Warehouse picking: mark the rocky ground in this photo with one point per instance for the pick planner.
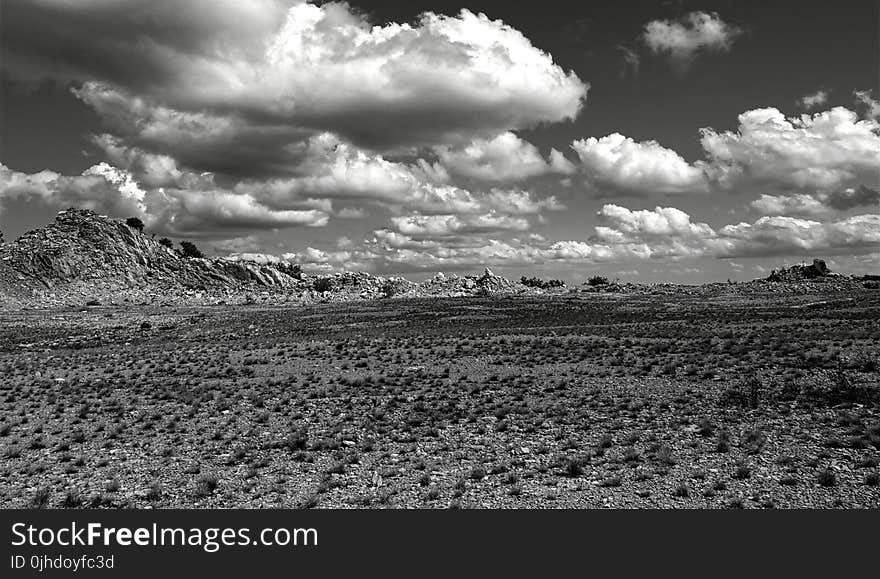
(659, 399)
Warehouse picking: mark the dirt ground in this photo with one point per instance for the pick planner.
(589, 401)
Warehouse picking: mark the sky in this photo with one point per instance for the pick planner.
(686, 141)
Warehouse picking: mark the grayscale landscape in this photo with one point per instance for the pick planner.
(438, 254)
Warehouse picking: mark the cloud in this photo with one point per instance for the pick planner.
(797, 204)
(208, 212)
(814, 100)
(351, 213)
(624, 225)
(439, 226)
(320, 261)
(337, 170)
(265, 70)
(867, 100)
(819, 204)
(631, 62)
(91, 190)
(782, 235)
(505, 157)
(682, 40)
(621, 165)
(827, 151)
(446, 242)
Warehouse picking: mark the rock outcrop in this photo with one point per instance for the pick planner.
(797, 273)
(84, 249)
(85, 258)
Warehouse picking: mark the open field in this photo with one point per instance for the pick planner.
(603, 400)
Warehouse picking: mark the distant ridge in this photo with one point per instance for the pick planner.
(84, 258)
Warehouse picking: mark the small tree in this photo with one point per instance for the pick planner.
(189, 249)
(166, 242)
(135, 223)
(597, 280)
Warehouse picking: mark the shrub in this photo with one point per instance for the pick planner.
(746, 394)
(154, 493)
(135, 223)
(297, 440)
(323, 284)
(826, 477)
(40, 498)
(206, 484)
(540, 283)
(597, 280)
(478, 473)
(742, 471)
(573, 467)
(166, 242)
(189, 249)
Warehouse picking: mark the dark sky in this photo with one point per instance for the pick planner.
(783, 51)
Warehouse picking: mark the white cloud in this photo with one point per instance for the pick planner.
(448, 242)
(207, 212)
(683, 39)
(814, 100)
(320, 261)
(624, 225)
(351, 213)
(827, 151)
(817, 204)
(98, 189)
(505, 157)
(438, 226)
(622, 165)
(338, 170)
(867, 100)
(238, 68)
(798, 204)
(781, 235)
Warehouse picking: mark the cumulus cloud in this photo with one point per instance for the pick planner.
(438, 226)
(797, 204)
(627, 235)
(813, 100)
(866, 99)
(96, 189)
(208, 212)
(782, 235)
(351, 213)
(683, 39)
(505, 157)
(621, 165)
(271, 68)
(320, 261)
(827, 151)
(624, 225)
(337, 170)
(819, 204)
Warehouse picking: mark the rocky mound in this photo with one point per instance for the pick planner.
(797, 273)
(86, 258)
(82, 250)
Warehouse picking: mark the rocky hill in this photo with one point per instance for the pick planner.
(86, 258)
